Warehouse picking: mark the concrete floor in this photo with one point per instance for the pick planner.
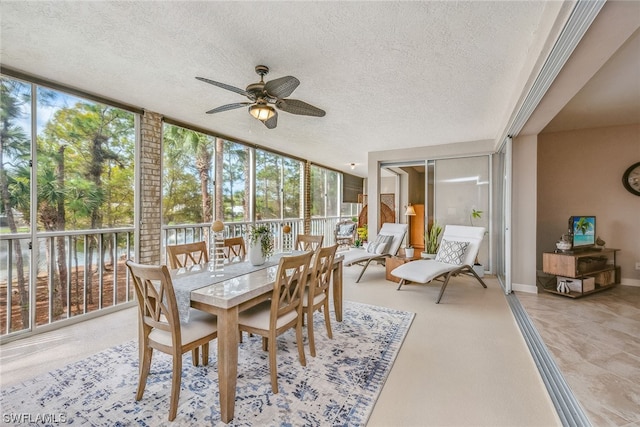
(463, 362)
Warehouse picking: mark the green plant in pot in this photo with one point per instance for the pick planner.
(431, 240)
(477, 267)
(260, 244)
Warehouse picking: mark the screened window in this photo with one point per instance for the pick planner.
(325, 192)
(81, 227)
(187, 181)
(278, 186)
(236, 182)
(85, 155)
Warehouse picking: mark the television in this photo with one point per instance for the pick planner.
(583, 231)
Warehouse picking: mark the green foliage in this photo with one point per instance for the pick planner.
(261, 234)
(431, 238)
(475, 214)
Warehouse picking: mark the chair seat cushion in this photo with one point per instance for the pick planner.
(258, 317)
(423, 271)
(200, 325)
(317, 299)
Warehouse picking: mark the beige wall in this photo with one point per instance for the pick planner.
(580, 173)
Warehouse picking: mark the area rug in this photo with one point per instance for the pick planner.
(337, 387)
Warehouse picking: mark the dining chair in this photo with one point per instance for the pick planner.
(234, 248)
(270, 319)
(162, 330)
(308, 242)
(186, 254)
(316, 295)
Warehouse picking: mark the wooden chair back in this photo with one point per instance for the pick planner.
(187, 254)
(317, 295)
(308, 242)
(234, 248)
(156, 300)
(322, 271)
(288, 289)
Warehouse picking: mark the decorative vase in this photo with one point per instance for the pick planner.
(256, 257)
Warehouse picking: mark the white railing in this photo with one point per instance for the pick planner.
(187, 233)
(76, 273)
(91, 275)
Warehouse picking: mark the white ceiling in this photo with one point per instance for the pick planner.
(388, 74)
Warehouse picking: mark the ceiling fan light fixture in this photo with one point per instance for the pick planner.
(262, 112)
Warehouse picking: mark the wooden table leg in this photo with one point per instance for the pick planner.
(227, 361)
(337, 290)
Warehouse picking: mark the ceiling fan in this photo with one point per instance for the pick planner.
(262, 95)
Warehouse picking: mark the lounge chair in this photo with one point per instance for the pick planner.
(387, 244)
(458, 250)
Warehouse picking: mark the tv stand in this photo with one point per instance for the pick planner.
(578, 251)
(599, 264)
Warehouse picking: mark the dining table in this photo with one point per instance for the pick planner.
(225, 293)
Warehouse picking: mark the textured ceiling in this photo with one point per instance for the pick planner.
(388, 74)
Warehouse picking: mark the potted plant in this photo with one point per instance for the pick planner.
(363, 232)
(260, 244)
(409, 251)
(477, 267)
(431, 241)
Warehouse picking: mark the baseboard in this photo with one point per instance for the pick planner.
(520, 287)
(630, 282)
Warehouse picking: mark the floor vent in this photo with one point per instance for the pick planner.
(568, 407)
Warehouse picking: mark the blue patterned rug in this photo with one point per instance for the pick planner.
(337, 387)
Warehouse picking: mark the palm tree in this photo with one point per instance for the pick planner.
(199, 147)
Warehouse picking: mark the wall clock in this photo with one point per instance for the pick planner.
(631, 179)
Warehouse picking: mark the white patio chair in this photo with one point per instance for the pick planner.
(387, 244)
(458, 250)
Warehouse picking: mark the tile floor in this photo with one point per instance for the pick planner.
(595, 341)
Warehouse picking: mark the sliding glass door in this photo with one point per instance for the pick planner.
(462, 196)
(502, 223)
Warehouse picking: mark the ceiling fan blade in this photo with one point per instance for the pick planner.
(228, 107)
(295, 106)
(272, 122)
(282, 87)
(224, 86)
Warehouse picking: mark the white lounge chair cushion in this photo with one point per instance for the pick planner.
(422, 271)
(380, 245)
(451, 251)
(396, 231)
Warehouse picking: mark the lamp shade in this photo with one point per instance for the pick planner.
(410, 211)
(217, 226)
(262, 112)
